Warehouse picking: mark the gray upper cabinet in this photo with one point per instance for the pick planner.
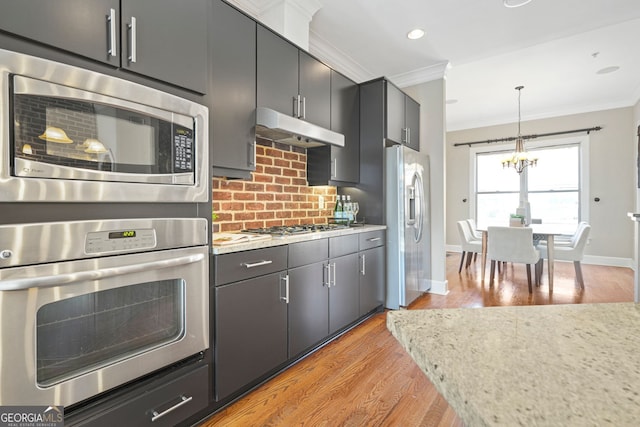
(232, 94)
(412, 123)
(77, 26)
(401, 114)
(403, 118)
(339, 165)
(286, 74)
(162, 39)
(166, 40)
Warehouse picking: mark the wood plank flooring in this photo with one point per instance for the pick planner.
(364, 378)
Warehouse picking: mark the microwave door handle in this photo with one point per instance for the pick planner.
(90, 275)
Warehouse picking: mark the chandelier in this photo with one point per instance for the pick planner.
(519, 159)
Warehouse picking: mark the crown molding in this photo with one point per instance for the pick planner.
(421, 75)
(337, 59)
(250, 7)
(255, 8)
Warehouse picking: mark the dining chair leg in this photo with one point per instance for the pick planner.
(492, 272)
(529, 278)
(539, 270)
(578, 267)
(461, 262)
(475, 256)
(469, 256)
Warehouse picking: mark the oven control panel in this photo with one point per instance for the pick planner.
(132, 240)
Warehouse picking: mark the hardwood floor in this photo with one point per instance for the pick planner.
(364, 378)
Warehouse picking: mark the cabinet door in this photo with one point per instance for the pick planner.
(77, 26)
(233, 90)
(395, 130)
(166, 40)
(344, 292)
(315, 89)
(412, 122)
(277, 69)
(345, 119)
(251, 331)
(308, 307)
(372, 277)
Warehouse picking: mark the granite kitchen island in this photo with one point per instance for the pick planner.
(560, 365)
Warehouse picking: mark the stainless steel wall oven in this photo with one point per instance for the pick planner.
(87, 306)
(75, 135)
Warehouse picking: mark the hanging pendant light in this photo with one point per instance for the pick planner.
(519, 159)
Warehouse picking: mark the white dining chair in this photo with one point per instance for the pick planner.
(511, 244)
(571, 251)
(475, 233)
(470, 247)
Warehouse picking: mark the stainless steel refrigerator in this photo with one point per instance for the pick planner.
(408, 225)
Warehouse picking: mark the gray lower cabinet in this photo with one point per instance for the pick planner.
(250, 306)
(372, 271)
(308, 307)
(344, 292)
(162, 39)
(232, 94)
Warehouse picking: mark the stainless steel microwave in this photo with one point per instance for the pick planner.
(70, 134)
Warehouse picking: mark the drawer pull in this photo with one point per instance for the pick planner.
(183, 401)
(374, 239)
(257, 264)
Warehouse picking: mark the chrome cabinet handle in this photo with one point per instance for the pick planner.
(91, 275)
(285, 298)
(296, 106)
(111, 19)
(304, 107)
(257, 264)
(334, 172)
(327, 279)
(408, 135)
(183, 401)
(133, 53)
(374, 239)
(334, 274)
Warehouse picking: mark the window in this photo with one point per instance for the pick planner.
(556, 186)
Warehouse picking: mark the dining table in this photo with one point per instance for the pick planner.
(541, 231)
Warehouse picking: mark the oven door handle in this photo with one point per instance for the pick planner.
(90, 275)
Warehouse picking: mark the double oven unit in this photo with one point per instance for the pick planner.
(91, 303)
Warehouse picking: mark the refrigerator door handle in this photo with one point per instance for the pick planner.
(420, 208)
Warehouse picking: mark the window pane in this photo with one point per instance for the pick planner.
(558, 168)
(556, 207)
(492, 177)
(494, 209)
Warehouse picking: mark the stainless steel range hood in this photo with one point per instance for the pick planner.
(284, 129)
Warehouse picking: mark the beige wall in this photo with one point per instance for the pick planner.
(613, 177)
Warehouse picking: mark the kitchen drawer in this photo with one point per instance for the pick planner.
(177, 399)
(243, 265)
(343, 245)
(304, 253)
(371, 239)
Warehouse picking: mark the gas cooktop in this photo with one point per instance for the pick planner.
(290, 230)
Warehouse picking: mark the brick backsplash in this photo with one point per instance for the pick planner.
(277, 194)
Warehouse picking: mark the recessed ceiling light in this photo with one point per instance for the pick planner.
(415, 34)
(608, 70)
(515, 3)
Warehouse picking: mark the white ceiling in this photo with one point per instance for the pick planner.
(485, 50)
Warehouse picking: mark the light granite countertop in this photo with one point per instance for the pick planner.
(278, 241)
(557, 365)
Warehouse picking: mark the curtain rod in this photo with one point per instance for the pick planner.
(525, 137)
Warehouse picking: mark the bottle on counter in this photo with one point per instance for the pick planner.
(348, 210)
(338, 211)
